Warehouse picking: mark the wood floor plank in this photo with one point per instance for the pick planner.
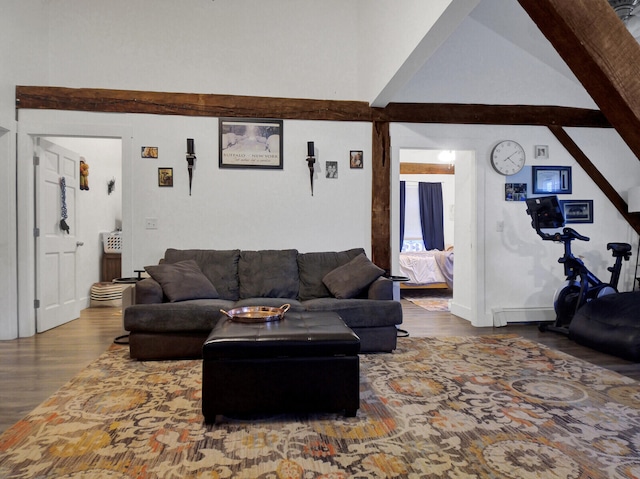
(32, 369)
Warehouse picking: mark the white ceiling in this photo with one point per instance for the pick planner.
(497, 55)
(511, 22)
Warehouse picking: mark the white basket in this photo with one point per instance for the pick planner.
(112, 242)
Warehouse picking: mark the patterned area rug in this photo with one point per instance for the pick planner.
(481, 407)
(431, 301)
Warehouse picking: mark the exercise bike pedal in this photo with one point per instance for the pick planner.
(543, 327)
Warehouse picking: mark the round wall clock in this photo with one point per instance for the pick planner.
(507, 157)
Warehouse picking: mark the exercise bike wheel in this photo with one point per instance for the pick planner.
(565, 302)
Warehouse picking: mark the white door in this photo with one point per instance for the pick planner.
(56, 290)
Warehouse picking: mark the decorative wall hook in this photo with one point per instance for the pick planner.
(310, 162)
(191, 157)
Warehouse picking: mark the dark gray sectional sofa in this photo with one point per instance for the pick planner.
(177, 307)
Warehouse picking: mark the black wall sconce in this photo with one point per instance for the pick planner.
(191, 157)
(310, 162)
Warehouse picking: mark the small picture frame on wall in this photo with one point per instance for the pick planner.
(165, 176)
(541, 152)
(331, 168)
(515, 191)
(149, 152)
(577, 211)
(551, 179)
(356, 159)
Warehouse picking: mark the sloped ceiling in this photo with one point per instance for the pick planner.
(496, 56)
(511, 22)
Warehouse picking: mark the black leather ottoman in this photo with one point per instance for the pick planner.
(303, 363)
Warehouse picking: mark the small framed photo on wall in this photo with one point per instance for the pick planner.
(577, 211)
(356, 159)
(541, 152)
(515, 191)
(165, 176)
(149, 152)
(331, 168)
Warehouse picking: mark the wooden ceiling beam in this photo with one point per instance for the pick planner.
(195, 104)
(477, 114)
(426, 169)
(602, 54)
(189, 104)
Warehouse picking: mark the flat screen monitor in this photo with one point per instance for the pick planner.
(545, 212)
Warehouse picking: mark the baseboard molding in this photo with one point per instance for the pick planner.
(503, 316)
(460, 311)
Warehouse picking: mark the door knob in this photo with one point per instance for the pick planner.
(79, 243)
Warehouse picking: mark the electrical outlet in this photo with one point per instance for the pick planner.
(151, 223)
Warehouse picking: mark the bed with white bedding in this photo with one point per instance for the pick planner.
(427, 269)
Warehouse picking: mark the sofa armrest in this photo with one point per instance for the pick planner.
(381, 288)
(148, 291)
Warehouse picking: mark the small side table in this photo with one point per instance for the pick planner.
(111, 267)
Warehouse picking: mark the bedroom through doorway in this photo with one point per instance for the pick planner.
(427, 212)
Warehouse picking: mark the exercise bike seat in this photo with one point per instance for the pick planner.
(620, 249)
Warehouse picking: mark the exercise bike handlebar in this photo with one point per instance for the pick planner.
(568, 234)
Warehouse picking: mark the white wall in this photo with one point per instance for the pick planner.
(287, 49)
(23, 56)
(237, 208)
(8, 260)
(97, 210)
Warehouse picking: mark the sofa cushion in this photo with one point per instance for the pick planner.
(268, 274)
(360, 313)
(182, 281)
(348, 280)
(199, 315)
(219, 266)
(312, 267)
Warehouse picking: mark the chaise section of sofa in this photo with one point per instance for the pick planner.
(165, 323)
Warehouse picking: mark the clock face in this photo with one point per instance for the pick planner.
(507, 157)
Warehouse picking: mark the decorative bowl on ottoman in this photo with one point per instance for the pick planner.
(256, 314)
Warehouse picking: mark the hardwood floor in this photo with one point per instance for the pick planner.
(32, 369)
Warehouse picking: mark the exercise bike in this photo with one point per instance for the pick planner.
(581, 285)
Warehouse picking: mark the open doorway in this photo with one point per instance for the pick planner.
(468, 289)
(86, 185)
(427, 212)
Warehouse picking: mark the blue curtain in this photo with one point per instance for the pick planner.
(431, 215)
(402, 208)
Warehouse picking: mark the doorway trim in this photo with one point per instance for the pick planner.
(26, 134)
(471, 306)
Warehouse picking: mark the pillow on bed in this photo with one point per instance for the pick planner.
(182, 281)
(348, 280)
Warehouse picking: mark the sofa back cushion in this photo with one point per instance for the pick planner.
(268, 274)
(219, 266)
(312, 267)
(182, 281)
